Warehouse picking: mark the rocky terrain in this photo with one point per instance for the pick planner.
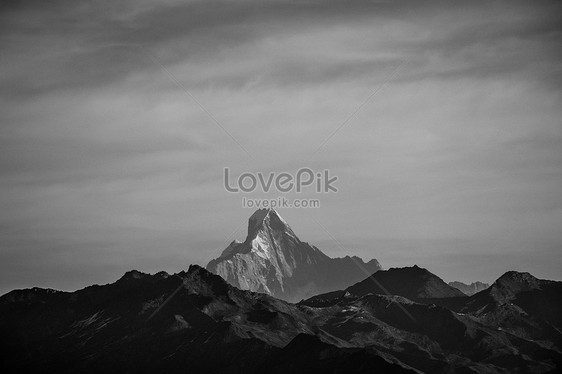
(525, 306)
(414, 283)
(275, 261)
(411, 282)
(195, 322)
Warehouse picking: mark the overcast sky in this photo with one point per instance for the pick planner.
(451, 156)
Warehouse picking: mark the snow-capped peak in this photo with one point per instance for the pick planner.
(268, 219)
(274, 260)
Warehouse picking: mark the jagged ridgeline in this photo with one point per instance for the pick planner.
(195, 322)
(273, 260)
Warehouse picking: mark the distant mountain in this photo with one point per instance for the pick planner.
(509, 289)
(414, 283)
(196, 322)
(273, 260)
(469, 289)
(522, 304)
(410, 282)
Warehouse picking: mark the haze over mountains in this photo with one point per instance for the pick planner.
(400, 320)
(275, 261)
(469, 289)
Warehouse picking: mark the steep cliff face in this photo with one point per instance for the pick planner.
(275, 261)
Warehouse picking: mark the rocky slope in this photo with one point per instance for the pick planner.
(414, 283)
(196, 322)
(521, 304)
(469, 289)
(273, 260)
(411, 282)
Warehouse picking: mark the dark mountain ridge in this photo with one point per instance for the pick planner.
(195, 320)
(414, 283)
(411, 282)
(522, 304)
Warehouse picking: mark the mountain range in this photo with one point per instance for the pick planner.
(400, 320)
(195, 321)
(469, 289)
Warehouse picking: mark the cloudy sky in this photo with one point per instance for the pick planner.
(117, 119)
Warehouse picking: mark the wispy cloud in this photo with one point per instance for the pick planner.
(105, 163)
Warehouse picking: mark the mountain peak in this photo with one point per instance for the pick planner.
(517, 276)
(194, 268)
(411, 282)
(514, 281)
(512, 292)
(133, 274)
(267, 218)
(263, 224)
(260, 214)
(469, 289)
(273, 260)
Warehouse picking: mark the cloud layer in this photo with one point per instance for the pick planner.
(108, 163)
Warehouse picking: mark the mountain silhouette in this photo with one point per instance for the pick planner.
(414, 283)
(195, 321)
(522, 304)
(411, 282)
(469, 289)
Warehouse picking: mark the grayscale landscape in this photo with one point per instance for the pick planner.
(274, 186)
